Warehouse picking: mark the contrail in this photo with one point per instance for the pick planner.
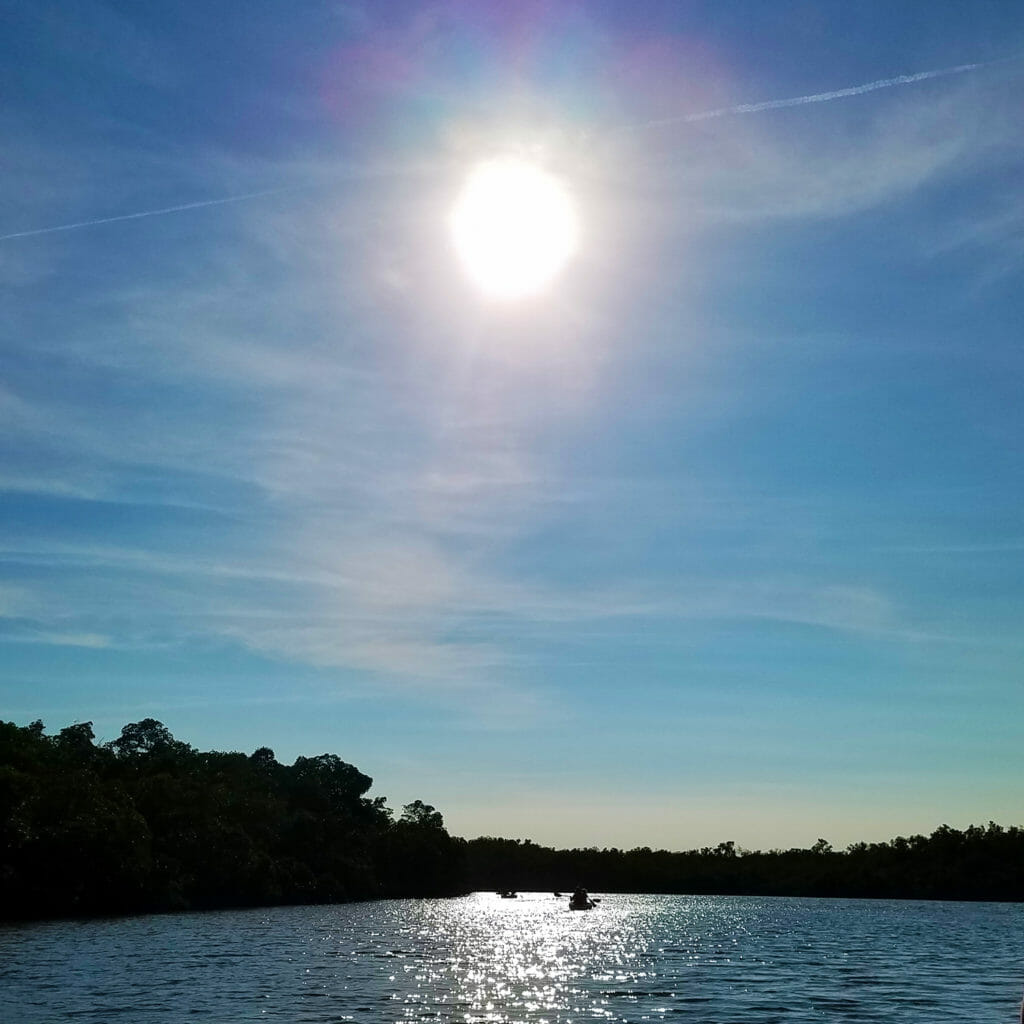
(818, 97)
(152, 213)
(705, 115)
(349, 174)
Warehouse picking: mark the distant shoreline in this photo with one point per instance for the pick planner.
(148, 824)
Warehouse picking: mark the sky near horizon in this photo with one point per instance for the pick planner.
(719, 536)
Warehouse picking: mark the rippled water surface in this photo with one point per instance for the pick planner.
(727, 960)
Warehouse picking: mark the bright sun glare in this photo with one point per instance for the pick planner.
(514, 228)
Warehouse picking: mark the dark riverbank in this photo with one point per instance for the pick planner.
(973, 864)
(147, 823)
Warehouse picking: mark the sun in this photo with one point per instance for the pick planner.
(514, 227)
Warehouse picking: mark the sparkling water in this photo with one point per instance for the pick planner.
(699, 959)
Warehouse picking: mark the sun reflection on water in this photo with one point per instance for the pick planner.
(483, 960)
(531, 959)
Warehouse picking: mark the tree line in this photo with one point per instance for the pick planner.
(976, 863)
(148, 823)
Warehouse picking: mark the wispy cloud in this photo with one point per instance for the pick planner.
(993, 235)
(811, 164)
(413, 615)
(371, 172)
(371, 449)
(93, 641)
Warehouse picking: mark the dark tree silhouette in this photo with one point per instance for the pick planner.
(146, 823)
(422, 815)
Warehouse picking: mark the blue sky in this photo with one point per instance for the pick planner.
(720, 537)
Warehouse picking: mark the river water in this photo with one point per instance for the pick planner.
(698, 959)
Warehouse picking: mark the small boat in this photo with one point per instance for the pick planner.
(579, 900)
(508, 894)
